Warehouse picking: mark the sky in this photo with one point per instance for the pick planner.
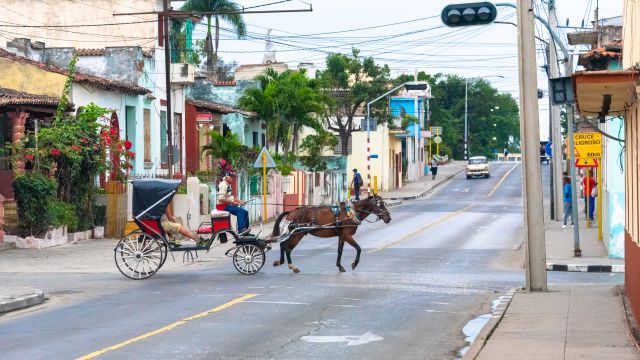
(407, 35)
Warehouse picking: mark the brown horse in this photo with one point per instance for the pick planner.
(322, 222)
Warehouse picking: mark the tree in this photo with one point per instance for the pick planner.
(347, 84)
(226, 10)
(315, 146)
(225, 147)
(287, 102)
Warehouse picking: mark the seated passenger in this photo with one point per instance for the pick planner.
(227, 202)
(171, 227)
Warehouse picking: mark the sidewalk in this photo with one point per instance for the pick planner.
(572, 321)
(422, 186)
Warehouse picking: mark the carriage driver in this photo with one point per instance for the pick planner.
(225, 197)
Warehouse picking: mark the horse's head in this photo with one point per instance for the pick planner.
(377, 207)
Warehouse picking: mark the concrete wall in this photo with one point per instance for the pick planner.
(630, 30)
(613, 199)
(30, 79)
(383, 144)
(73, 12)
(249, 72)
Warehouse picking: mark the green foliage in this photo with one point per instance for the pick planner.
(63, 214)
(408, 120)
(348, 82)
(223, 147)
(100, 215)
(316, 146)
(32, 193)
(284, 162)
(287, 102)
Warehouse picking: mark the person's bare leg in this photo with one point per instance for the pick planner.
(186, 233)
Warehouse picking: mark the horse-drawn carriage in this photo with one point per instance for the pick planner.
(141, 253)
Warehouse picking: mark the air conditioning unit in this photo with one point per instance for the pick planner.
(182, 74)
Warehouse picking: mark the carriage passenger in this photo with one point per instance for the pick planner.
(227, 202)
(172, 227)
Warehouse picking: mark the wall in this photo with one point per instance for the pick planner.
(30, 79)
(73, 12)
(383, 144)
(631, 28)
(613, 189)
(249, 72)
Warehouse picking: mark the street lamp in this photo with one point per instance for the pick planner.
(466, 96)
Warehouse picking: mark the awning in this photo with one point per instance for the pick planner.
(604, 93)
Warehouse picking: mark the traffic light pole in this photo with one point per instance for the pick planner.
(535, 254)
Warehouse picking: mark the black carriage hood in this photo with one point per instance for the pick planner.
(152, 196)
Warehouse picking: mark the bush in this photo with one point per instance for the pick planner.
(99, 215)
(32, 193)
(63, 214)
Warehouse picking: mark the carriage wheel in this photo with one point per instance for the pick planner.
(138, 255)
(248, 259)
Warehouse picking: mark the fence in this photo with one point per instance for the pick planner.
(116, 209)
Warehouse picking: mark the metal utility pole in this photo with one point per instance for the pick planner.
(572, 170)
(535, 256)
(416, 126)
(556, 130)
(466, 138)
(167, 71)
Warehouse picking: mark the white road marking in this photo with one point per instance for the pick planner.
(347, 306)
(351, 340)
(276, 302)
(439, 303)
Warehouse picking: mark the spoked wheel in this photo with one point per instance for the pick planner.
(248, 259)
(138, 255)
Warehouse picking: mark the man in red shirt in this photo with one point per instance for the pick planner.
(588, 184)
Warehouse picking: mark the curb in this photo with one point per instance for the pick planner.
(21, 301)
(393, 203)
(586, 268)
(487, 330)
(7, 246)
(425, 191)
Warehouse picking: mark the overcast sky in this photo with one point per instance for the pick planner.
(405, 34)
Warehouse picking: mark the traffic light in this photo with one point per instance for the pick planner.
(478, 13)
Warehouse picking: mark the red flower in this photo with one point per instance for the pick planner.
(30, 157)
(75, 148)
(55, 152)
(131, 154)
(114, 132)
(128, 144)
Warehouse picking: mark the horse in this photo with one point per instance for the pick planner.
(321, 221)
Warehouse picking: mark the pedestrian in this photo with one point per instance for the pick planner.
(356, 183)
(506, 154)
(434, 168)
(588, 184)
(567, 201)
(226, 198)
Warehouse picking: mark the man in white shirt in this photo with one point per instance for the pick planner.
(226, 199)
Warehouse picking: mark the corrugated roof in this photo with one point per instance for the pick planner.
(111, 85)
(218, 108)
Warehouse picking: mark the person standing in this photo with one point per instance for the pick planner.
(506, 154)
(588, 184)
(567, 201)
(356, 183)
(434, 168)
(226, 198)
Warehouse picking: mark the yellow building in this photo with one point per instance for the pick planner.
(387, 166)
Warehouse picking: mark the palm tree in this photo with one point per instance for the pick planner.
(228, 11)
(225, 147)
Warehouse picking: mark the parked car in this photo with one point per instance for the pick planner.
(478, 166)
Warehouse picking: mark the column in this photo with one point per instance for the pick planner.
(18, 120)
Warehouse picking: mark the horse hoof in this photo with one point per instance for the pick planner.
(341, 269)
(296, 270)
(276, 263)
(353, 265)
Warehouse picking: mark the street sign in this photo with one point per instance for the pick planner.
(437, 140)
(270, 163)
(586, 162)
(547, 149)
(588, 145)
(436, 130)
(374, 156)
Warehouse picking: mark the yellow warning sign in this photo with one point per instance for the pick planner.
(586, 162)
(588, 145)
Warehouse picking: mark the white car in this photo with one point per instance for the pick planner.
(478, 166)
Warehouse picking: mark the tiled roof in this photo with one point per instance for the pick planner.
(13, 97)
(111, 85)
(218, 108)
(90, 52)
(225, 83)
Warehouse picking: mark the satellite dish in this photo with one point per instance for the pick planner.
(175, 153)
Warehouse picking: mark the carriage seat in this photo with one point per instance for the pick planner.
(220, 220)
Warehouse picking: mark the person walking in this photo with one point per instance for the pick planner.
(567, 201)
(356, 183)
(588, 184)
(506, 154)
(434, 168)
(226, 198)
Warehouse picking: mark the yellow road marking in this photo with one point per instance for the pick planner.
(167, 328)
(417, 231)
(501, 180)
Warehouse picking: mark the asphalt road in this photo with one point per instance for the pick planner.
(437, 265)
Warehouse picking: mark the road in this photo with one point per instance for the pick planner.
(436, 266)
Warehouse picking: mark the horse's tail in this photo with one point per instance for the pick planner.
(276, 226)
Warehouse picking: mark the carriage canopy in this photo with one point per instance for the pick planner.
(152, 196)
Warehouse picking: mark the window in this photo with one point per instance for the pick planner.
(255, 138)
(264, 140)
(163, 137)
(147, 135)
(130, 120)
(5, 137)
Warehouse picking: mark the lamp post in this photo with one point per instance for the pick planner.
(466, 105)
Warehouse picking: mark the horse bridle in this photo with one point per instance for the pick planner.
(379, 215)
